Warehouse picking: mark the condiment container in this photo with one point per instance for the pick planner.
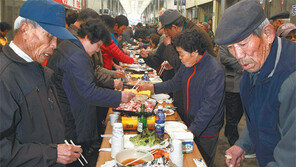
(186, 138)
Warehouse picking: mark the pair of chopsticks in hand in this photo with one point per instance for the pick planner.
(136, 85)
(79, 153)
(161, 68)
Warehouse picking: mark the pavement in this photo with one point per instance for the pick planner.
(223, 146)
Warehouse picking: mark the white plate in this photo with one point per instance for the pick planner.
(173, 126)
(155, 80)
(129, 144)
(167, 111)
(160, 97)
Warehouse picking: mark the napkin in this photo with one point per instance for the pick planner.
(109, 163)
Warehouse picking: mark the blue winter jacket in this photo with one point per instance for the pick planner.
(270, 102)
(203, 86)
(80, 87)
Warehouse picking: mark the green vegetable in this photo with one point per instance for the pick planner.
(146, 137)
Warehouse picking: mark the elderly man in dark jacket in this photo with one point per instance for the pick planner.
(32, 130)
(202, 78)
(268, 86)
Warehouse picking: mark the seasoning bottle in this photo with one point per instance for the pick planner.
(146, 77)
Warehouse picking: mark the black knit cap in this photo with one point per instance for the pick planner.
(168, 17)
(239, 21)
(281, 15)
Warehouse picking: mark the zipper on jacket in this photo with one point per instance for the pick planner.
(187, 88)
(187, 92)
(51, 137)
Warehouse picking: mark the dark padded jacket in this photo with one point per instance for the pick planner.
(79, 84)
(31, 124)
(203, 86)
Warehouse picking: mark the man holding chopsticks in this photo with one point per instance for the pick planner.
(32, 129)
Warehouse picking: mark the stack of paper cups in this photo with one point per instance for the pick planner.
(176, 153)
(117, 139)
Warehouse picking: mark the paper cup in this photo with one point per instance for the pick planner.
(176, 148)
(117, 139)
(177, 160)
(113, 118)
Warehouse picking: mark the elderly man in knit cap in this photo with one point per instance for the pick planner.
(32, 131)
(268, 87)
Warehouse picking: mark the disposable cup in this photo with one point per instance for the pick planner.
(176, 148)
(117, 139)
(113, 118)
(177, 160)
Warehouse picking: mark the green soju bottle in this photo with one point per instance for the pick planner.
(142, 121)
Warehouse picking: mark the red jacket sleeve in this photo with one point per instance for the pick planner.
(114, 51)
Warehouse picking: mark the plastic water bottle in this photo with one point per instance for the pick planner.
(159, 122)
(146, 77)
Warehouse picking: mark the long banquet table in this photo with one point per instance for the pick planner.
(106, 155)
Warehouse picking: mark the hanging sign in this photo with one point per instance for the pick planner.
(75, 4)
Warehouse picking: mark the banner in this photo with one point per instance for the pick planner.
(75, 4)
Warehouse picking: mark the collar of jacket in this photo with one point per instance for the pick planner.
(203, 58)
(268, 66)
(189, 24)
(47, 72)
(73, 29)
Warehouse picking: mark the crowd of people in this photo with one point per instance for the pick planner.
(61, 73)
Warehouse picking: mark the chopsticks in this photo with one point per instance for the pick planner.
(79, 153)
(161, 70)
(136, 84)
(199, 162)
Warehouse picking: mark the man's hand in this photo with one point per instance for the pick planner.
(135, 60)
(167, 65)
(125, 51)
(126, 96)
(67, 153)
(145, 86)
(119, 74)
(117, 67)
(118, 84)
(234, 156)
(144, 53)
(167, 40)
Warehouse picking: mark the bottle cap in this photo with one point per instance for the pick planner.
(160, 107)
